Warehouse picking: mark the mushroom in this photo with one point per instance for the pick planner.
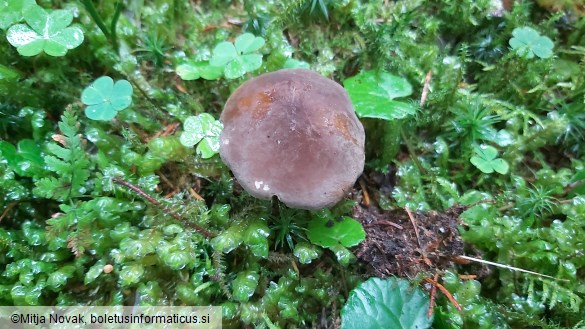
(293, 133)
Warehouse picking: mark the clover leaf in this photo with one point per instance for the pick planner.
(46, 31)
(105, 99)
(372, 93)
(486, 161)
(528, 42)
(11, 11)
(199, 69)
(205, 130)
(239, 57)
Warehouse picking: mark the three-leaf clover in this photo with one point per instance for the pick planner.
(239, 57)
(486, 161)
(200, 69)
(46, 31)
(205, 130)
(372, 93)
(105, 99)
(528, 42)
(11, 11)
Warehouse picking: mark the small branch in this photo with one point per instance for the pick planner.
(383, 222)
(7, 210)
(365, 194)
(413, 222)
(512, 268)
(425, 91)
(433, 294)
(445, 292)
(164, 209)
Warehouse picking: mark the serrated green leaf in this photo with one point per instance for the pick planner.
(389, 303)
(56, 165)
(328, 232)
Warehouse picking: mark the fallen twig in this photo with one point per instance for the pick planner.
(164, 209)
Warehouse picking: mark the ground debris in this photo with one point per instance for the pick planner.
(394, 247)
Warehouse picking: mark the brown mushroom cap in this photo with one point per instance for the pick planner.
(293, 133)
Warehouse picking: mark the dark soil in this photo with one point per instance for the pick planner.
(392, 247)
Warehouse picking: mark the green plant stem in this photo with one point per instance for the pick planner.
(110, 34)
(160, 113)
(113, 26)
(411, 152)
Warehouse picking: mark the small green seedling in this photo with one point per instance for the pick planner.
(11, 11)
(46, 31)
(104, 98)
(373, 93)
(205, 130)
(239, 57)
(528, 42)
(485, 160)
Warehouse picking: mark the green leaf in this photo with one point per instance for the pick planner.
(244, 285)
(486, 161)
(94, 272)
(131, 274)
(205, 130)
(528, 42)
(201, 69)
(240, 58)
(69, 163)
(343, 255)
(106, 98)
(46, 31)
(389, 303)
(327, 232)
(229, 239)
(247, 43)
(223, 53)
(11, 11)
(256, 238)
(292, 63)
(306, 252)
(372, 95)
(59, 278)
